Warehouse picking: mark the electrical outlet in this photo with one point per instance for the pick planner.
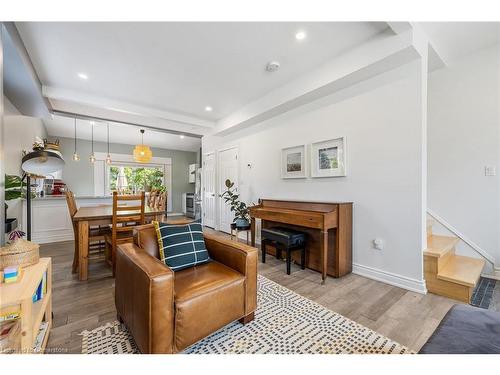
(490, 170)
(378, 244)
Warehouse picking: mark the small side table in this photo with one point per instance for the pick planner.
(236, 230)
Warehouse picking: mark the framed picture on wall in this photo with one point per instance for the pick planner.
(328, 158)
(293, 162)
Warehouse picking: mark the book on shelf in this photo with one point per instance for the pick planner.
(9, 336)
(42, 289)
(10, 315)
(42, 331)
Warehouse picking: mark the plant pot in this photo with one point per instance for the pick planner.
(241, 223)
(10, 224)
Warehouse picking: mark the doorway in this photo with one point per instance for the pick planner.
(209, 190)
(228, 169)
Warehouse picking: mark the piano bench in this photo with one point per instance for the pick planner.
(284, 239)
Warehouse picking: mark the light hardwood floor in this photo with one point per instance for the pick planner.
(406, 317)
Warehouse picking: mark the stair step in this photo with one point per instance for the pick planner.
(437, 246)
(462, 270)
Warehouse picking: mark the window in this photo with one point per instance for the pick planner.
(130, 179)
(139, 176)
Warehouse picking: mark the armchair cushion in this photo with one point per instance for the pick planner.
(207, 297)
(181, 246)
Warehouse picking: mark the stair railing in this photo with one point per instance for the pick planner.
(462, 237)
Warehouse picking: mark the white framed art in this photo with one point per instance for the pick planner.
(293, 162)
(328, 158)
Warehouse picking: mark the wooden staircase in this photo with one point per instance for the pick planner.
(446, 273)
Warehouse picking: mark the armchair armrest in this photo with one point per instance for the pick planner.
(241, 258)
(144, 297)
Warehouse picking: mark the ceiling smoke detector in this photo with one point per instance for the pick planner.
(272, 66)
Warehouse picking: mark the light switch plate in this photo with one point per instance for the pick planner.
(490, 170)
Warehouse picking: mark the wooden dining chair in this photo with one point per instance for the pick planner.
(125, 218)
(158, 201)
(96, 234)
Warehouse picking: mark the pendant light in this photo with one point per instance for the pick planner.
(108, 158)
(76, 157)
(142, 153)
(92, 156)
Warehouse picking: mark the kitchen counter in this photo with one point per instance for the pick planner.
(62, 196)
(50, 220)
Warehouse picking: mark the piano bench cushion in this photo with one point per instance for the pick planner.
(285, 236)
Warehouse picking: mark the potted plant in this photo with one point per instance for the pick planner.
(240, 209)
(15, 188)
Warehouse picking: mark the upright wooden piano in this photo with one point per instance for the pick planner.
(328, 225)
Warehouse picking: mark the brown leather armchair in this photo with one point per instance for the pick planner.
(165, 311)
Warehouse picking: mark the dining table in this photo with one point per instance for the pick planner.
(94, 216)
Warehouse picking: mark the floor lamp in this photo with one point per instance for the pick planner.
(40, 163)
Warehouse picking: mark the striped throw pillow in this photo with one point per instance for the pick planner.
(181, 246)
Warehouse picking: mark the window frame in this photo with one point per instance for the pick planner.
(101, 172)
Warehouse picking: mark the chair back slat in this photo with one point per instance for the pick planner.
(133, 214)
(128, 219)
(128, 208)
(128, 197)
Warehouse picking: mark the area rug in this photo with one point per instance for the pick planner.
(486, 294)
(285, 323)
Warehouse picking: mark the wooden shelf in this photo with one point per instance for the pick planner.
(19, 297)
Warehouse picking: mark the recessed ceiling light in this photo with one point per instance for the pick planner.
(208, 108)
(83, 76)
(301, 35)
(181, 136)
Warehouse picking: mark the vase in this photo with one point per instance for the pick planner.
(241, 223)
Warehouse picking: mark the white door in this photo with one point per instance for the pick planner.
(228, 169)
(209, 190)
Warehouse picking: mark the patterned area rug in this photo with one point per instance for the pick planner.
(486, 294)
(285, 323)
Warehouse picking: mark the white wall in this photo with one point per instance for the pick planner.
(382, 120)
(464, 137)
(9, 108)
(79, 176)
(20, 133)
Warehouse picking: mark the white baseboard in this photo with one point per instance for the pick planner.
(390, 278)
(379, 275)
(44, 238)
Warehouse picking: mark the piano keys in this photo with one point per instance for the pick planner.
(328, 225)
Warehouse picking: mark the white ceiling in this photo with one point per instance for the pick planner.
(165, 74)
(60, 126)
(184, 67)
(453, 40)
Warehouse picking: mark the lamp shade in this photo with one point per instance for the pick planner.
(42, 162)
(142, 154)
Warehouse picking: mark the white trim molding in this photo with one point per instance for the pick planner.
(462, 237)
(400, 281)
(128, 158)
(404, 282)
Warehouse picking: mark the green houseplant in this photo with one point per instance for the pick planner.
(240, 209)
(15, 188)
